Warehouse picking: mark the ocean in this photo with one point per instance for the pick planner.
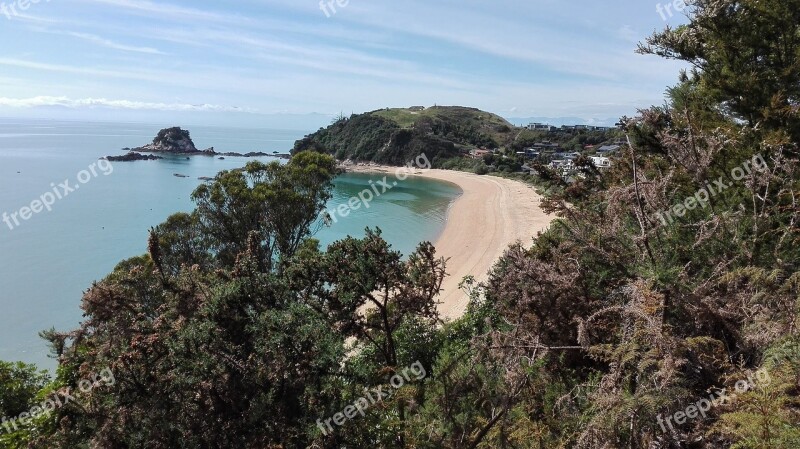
(69, 218)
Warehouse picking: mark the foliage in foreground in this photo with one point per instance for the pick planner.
(236, 330)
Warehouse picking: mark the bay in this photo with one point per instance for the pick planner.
(105, 212)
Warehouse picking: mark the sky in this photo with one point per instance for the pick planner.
(263, 61)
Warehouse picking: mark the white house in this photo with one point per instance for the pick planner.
(601, 162)
(539, 127)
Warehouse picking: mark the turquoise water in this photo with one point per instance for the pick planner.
(105, 211)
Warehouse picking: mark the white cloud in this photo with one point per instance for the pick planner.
(39, 66)
(550, 58)
(114, 104)
(168, 11)
(111, 44)
(34, 19)
(628, 33)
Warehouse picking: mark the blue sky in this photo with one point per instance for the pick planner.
(247, 60)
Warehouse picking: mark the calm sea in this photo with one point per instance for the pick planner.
(104, 214)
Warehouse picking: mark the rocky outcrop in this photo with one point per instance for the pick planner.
(133, 156)
(178, 141)
(250, 154)
(172, 140)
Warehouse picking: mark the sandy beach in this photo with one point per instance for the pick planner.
(490, 215)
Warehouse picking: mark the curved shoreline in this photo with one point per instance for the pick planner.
(491, 214)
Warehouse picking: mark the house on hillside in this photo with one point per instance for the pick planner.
(539, 127)
(584, 128)
(546, 147)
(567, 156)
(416, 108)
(479, 154)
(601, 162)
(529, 153)
(564, 167)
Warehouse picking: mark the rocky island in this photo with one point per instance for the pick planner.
(177, 141)
(173, 140)
(133, 156)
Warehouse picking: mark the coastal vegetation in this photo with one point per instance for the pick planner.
(568, 139)
(450, 136)
(372, 137)
(237, 330)
(446, 133)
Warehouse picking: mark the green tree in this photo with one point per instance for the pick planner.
(274, 207)
(214, 345)
(21, 387)
(745, 56)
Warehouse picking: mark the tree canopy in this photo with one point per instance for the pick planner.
(665, 284)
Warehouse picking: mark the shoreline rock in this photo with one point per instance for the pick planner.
(133, 156)
(171, 140)
(178, 141)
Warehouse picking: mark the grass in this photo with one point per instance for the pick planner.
(403, 117)
(487, 123)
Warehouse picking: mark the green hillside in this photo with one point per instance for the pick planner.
(489, 124)
(394, 136)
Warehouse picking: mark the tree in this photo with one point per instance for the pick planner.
(20, 387)
(214, 345)
(274, 207)
(745, 55)
(19, 384)
(388, 306)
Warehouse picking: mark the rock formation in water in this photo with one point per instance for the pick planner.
(171, 140)
(133, 156)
